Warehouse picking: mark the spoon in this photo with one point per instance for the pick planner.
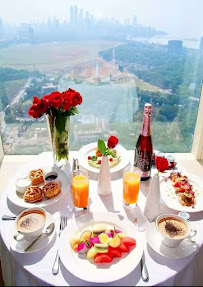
(48, 231)
(8, 217)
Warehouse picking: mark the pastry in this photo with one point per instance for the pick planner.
(33, 194)
(184, 190)
(51, 189)
(36, 176)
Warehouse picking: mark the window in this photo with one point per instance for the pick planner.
(117, 54)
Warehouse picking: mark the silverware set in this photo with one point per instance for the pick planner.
(63, 224)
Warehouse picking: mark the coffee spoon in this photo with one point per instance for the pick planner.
(8, 217)
(48, 231)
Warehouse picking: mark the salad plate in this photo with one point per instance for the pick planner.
(17, 198)
(86, 269)
(90, 149)
(169, 194)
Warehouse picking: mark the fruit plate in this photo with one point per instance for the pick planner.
(86, 269)
(169, 196)
(116, 171)
(17, 198)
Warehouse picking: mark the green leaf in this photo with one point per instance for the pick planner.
(58, 135)
(94, 158)
(101, 146)
(63, 137)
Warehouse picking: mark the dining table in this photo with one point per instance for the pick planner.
(35, 269)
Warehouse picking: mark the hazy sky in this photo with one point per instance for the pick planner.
(177, 17)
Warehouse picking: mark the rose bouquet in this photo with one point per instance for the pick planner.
(58, 107)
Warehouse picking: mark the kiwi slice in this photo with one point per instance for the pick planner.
(101, 248)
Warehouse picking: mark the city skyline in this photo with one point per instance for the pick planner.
(159, 14)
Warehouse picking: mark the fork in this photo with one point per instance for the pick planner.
(63, 224)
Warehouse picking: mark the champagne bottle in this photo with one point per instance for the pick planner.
(144, 148)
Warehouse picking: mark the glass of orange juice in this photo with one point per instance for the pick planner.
(80, 189)
(131, 185)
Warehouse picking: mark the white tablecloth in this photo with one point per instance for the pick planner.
(35, 269)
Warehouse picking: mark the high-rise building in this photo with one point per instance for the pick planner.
(75, 14)
(175, 46)
(80, 17)
(71, 14)
(201, 44)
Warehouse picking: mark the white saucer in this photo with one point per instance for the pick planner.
(19, 246)
(185, 248)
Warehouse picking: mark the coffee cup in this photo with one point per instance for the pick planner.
(173, 229)
(30, 224)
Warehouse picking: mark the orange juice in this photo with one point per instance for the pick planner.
(80, 190)
(131, 184)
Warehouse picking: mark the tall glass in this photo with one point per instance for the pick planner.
(131, 185)
(80, 189)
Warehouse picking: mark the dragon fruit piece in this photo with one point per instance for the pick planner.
(82, 248)
(94, 240)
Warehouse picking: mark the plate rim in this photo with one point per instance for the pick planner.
(169, 204)
(113, 217)
(123, 163)
(51, 217)
(152, 225)
(43, 204)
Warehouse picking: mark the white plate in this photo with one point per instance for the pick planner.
(154, 240)
(90, 149)
(40, 244)
(17, 198)
(105, 272)
(169, 196)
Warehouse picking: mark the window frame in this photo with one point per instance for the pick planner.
(197, 145)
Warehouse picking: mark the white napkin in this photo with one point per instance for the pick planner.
(152, 206)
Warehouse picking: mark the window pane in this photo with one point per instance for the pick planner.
(117, 58)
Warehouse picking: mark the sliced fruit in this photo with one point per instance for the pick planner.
(91, 252)
(123, 248)
(98, 153)
(103, 237)
(75, 246)
(85, 235)
(99, 228)
(114, 252)
(122, 235)
(102, 258)
(82, 248)
(115, 242)
(74, 239)
(101, 248)
(128, 241)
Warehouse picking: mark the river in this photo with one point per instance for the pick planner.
(193, 43)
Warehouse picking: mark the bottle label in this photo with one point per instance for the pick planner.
(143, 161)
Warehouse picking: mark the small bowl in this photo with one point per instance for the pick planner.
(22, 184)
(51, 176)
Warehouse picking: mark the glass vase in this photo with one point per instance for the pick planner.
(58, 127)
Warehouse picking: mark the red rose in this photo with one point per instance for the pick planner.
(56, 99)
(67, 101)
(112, 142)
(42, 104)
(34, 111)
(76, 99)
(161, 164)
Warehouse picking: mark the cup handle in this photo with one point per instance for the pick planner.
(192, 233)
(19, 237)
